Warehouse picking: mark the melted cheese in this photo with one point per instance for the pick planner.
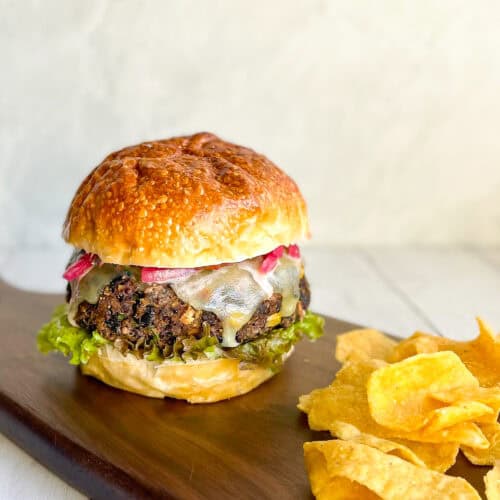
(90, 286)
(234, 292)
(285, 280)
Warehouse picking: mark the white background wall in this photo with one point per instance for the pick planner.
(387, 113)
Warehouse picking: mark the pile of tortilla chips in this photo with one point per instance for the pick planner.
(401, 412)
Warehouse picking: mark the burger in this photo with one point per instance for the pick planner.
(186, 280)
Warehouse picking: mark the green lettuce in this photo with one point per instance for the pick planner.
(60, 335)
(204, 348)
(154, 354)
(268, 351)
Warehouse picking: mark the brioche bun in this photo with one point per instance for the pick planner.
(185, 202)
(205, 381)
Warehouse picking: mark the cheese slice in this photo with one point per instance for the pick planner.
(234, 292)
(90, 286)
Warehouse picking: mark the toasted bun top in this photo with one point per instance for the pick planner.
(185, 202)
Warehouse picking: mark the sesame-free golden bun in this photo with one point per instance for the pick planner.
(185, 202)
(205, 381)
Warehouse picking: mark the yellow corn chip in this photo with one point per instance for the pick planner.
(348, 432)
(345, 400)
(489, 396)
(418, 343)
(338, 488)
(438, 457)
(400, 410)
(481, 355)
(465, 411)
(492, 483)
(363, 344)
(399, 395)
(489, 455)
(387, 476)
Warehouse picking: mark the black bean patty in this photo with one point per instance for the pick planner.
(134, 315)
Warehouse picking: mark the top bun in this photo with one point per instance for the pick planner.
(185, 202)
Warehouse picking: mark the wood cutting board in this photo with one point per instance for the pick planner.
(111, 444)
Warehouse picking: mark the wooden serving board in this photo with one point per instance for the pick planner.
(111, 444)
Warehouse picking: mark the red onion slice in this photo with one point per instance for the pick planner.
(271, 260)
(268, 264)
(294, 251)
(163, 274)
(278, 252)
(80, 267)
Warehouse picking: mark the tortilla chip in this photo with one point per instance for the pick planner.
(388, 476)
(481, 355)
(399, 395)
(348, 432)
(362, 345)
(418, 343)
(438, 457)
(465, 411)
(345, 400)
(338, 488)
(488, 395)
(492, 483)
(490, 455)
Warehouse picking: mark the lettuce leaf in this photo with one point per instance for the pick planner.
(268, 351)
(206, 347)
(154, 354)
(60, 335)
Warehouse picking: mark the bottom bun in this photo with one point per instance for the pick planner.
(203, 381)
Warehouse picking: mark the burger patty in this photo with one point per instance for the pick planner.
(134, 315)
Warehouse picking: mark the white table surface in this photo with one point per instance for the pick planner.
(395, 290)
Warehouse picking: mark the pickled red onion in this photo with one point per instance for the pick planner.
(294, 251)
(271, 260)
(80, 267)
(163, 274)
(268, 264)
(278, 252)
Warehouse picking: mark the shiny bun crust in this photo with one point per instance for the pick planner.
(185, 202)
(196, 382)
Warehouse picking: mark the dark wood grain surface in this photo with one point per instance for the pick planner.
(112, 444)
